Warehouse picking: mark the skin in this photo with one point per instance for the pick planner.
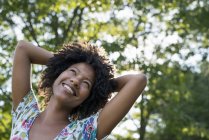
(80, 77)
(56, 114)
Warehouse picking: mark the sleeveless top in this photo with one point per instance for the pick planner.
(27, 111)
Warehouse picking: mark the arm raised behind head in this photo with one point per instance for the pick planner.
(25, 54)
(129, 87)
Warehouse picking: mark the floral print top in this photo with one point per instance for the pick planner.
(26, 112)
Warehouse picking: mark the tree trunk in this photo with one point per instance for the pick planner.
(143, 120)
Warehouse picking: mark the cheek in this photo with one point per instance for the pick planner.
(55, 82)
(59, 78)
(85, 92)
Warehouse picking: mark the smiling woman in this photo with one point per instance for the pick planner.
(77, 83)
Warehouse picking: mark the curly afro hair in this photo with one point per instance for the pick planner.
(75, 53)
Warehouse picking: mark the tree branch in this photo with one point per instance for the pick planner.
(54, 26)
(30, 28)
(80, 20)
(144, 119)
(75, 12)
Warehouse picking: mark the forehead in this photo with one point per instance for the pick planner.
(85, 69)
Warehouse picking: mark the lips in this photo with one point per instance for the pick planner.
(69, 89)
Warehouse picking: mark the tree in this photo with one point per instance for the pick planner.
(163, 37)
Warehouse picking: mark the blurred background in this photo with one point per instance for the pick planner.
(168, 40)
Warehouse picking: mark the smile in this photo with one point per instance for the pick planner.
(69, 89)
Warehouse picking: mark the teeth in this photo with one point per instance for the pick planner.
(68, 88)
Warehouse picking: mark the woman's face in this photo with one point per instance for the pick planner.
(74, 84)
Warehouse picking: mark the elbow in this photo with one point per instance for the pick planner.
(21, 47)
(142, 79)
(139, 83)
(21, 44)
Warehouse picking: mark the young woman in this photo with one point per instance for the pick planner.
(77, 83)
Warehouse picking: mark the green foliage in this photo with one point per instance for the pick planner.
(185, 111)
(164, 35)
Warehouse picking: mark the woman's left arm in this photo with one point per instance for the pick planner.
(129, 87)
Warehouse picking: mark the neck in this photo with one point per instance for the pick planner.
(55, 113)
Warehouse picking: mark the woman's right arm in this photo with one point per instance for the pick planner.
(25, 55)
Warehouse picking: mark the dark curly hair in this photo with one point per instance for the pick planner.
(75, 53)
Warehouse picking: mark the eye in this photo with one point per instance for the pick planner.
(87, 84)
(73, 71)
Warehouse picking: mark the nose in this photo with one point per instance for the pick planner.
(75, 82)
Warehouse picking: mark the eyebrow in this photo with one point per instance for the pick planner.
(85, 77)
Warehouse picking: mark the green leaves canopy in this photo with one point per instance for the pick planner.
(168, 40)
